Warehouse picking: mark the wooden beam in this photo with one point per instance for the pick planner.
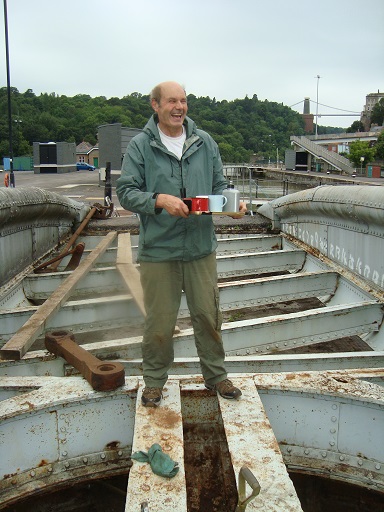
(24, 338)
(128, 270)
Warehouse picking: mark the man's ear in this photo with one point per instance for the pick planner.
(154, 105)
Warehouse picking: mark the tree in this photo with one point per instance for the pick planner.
(358, 150)
(379, 148)
(377, 115)
(242, 126)
(356, 126)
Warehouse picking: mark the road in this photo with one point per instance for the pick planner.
(81, 186)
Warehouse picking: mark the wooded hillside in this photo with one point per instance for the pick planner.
(241, 127)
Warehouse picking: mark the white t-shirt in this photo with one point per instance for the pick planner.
(173, 144)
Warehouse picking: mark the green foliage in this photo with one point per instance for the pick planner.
(380, 147)
(356, 126)
(377, 115)
(241, 127)
(359, 149)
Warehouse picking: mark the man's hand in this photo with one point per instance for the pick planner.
(174, 205)
(242, 207)
(242, 210)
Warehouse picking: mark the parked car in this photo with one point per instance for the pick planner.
(84, 166)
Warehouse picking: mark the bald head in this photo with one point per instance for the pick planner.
(164, 89)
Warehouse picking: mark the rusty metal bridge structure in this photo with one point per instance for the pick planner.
(302, 300)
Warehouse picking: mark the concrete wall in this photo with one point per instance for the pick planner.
(64, 161)
(109, 137)
(113, 142)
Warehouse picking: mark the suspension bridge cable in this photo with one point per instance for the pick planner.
(328, 106)
(336, 108)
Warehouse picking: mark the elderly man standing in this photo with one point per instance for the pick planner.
(169, 160)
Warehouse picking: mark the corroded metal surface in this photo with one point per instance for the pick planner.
(344, 223)
(251, 441)
(102, 375)
(313, 418)
(161, 425)
(32, 221)
(304, 341)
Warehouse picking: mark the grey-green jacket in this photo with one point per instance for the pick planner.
(148, 167)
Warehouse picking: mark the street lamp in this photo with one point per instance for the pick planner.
(17, 120)
(362, 158)
(12, 176)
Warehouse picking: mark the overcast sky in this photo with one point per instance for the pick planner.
(225, 49)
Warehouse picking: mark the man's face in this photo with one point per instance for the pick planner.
(172, 109)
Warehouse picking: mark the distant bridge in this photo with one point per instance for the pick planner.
(344, 137)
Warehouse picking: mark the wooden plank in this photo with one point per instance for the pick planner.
(161, 425)
(20, 342)
(252, 443)
(128, 270)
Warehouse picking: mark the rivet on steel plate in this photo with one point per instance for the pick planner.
(66, 465)
(378, 466)
(306, 452)
(119, 453)
(85, 460)
(32, 473)
(360, 462)
(102, 455)
(342, 457)
(64, 454)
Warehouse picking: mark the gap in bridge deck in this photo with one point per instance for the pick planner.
(210, 480)
(107, 494)
(318, 494)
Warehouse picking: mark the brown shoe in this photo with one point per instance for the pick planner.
(225, 388)
(151, 397)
